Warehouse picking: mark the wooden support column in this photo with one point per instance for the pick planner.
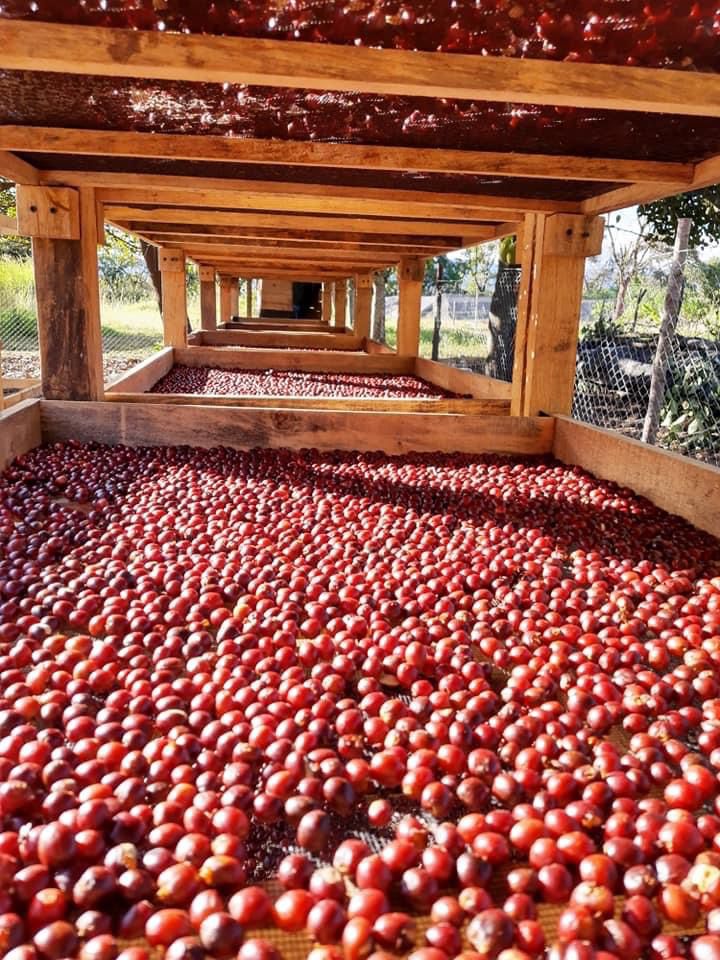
(327, 298)
(174, 296)
(249, 298)
(363, 304)
(229, 298)
(410, 280)
(340, 303)
(63, 224)
(553, 253)
(208, 299)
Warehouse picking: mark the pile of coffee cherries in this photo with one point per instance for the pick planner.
(680, 33)
(221, 382)
(271, 704)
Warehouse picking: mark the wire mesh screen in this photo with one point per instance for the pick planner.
(18, 324)
(649, 353)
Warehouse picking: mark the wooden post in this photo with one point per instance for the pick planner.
(363, 304)
(327, 298)
(410, 277)
(249, 297)
(229, 298)
(208, 299)
(174, 296)
(340, 303)
(63, 224)
(553, 253)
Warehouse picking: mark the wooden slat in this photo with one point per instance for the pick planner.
(287, 233)
(123, 214)
(19, 431)
(205, 58)
(168, 189)
(330, 361)
(461, 381)
(311, 341)
(143, 424)
(472, 407)
(338, 155)
(145, 375)
(228, 251)
(21, 395)
(316, 246)
(677, 484)
(17, 170)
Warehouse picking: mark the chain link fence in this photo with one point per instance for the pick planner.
(649, 354)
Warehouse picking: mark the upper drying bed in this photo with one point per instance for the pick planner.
(654, 33)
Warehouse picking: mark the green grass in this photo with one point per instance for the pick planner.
(457, 341)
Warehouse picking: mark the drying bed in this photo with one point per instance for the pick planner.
(216, 381)
(500, 676)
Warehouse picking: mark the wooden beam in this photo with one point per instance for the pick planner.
(17, 170)
(121, 215)
(410, 281)
(340, 303)
(629, 197)
(143, 424)
(315, 247)
(68, 307)
(279, 236)
(169, 190)
(342, 155)
(233, 251)
(562, 243)
(103, 51)
(229, 297)
(174, 297)
(326, 302)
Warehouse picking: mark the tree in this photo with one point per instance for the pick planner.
(700, 206)
(629, 260)
(503, 313)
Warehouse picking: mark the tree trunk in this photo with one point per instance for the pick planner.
(670, 314)
(150, 255)
(379, 313)
(438, 311)
(502, 322)
(620, 299)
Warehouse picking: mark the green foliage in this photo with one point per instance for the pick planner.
(508, 251)
(703, 208)
(16, 248)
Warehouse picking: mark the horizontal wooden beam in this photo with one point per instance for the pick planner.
(328, 255)
(16, 170)
(168, 190)
(283, 234)
(280, 220)
(212, 59)
(235, 263)
(629, 197)
(317, 247)
(345, 155)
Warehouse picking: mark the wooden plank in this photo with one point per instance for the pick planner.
(472, 407)
(144, 375)
(410, 281)
(282, 235)
(311, 341)
(216, 253)
(19, 431)
(121, 214)
(629, 196)
(143, 424)
(68, 307)
(223, 149)
(318, 246)
(330, 361)
(222, 192)
(527, 244)
(16, 170)
(215, 59)
(273, 323)
(20, 396)
(461, 381)
(674, 483)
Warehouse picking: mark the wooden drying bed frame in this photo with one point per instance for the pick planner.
(675, 483)
(486, 396)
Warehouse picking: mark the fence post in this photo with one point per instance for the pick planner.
(438, 309)
(670, 314)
